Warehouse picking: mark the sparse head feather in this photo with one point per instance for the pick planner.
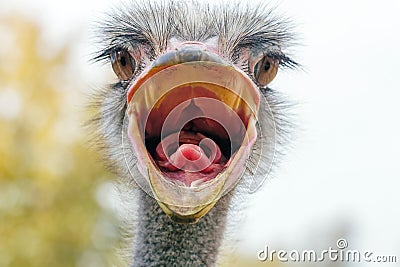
(236, 25)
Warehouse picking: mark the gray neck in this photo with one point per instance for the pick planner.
(161, 242)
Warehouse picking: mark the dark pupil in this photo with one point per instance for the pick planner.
(123, 61)
(267, 66)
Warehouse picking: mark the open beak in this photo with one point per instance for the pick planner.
(192, 126)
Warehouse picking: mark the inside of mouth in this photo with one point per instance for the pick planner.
(193, 132)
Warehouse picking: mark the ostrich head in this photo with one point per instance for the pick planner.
(191, 112)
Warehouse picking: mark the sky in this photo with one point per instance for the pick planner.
(342, 174)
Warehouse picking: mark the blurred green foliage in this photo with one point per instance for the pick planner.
(49, 179)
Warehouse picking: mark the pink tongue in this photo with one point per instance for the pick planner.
(190, 158)
(190, 155)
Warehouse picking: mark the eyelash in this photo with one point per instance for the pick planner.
(284, 61)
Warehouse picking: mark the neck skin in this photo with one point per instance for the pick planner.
(161, 242)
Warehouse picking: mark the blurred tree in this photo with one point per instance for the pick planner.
(50, 213)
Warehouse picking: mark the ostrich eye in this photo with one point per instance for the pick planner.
(265, 70)
(123, 64)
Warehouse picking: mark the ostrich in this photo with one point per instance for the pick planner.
(190, 123)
